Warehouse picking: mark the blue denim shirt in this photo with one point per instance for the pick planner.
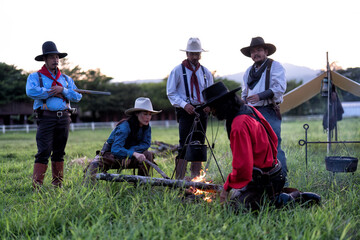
(118, 138)
(41, 95)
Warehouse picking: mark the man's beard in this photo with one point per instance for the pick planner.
(194, 62)
(259, 63)
(52, 67)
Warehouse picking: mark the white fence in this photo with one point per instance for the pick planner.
(80, 126)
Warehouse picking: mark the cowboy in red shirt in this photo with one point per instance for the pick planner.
(255, 168)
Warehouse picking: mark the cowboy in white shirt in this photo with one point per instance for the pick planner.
(264, 87)
(184, 86)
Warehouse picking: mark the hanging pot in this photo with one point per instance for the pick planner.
(341, 164)
(196, 152)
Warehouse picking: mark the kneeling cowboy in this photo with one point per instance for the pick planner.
(127, 145)
(256, 172)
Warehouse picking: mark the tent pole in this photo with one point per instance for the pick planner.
(328, 104)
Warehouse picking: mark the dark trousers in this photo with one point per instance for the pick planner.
(186, 125)
(186, 122)
(252, 196)
(51, 138)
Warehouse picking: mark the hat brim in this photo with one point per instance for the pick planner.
(202, 50)
(41, 57)
(216, 99)
(270, 47)
(130, 111)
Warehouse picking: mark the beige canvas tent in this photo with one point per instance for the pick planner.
(308, 90)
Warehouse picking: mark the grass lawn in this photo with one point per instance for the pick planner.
(121, 211)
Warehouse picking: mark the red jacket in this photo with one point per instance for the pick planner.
(250, 148)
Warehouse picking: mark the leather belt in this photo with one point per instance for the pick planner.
(59, 114)
(269, 171)
(276, 169)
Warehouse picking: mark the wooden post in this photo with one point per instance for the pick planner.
(328, 103)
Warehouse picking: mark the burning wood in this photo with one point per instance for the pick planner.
(160, 182)
(207, 194)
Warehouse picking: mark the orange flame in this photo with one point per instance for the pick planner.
(196, 191)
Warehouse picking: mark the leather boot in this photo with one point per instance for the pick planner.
(310, 198)
(293, 192)
(57, 169)
(39, 175)
(283, 199)
(180, 168)
(195, 169)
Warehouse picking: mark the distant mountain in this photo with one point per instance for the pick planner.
(300, 73)
(292, 72)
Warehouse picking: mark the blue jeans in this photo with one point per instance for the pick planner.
(270, 116)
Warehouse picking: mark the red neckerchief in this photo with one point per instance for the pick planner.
(46, 72)
(194, 80)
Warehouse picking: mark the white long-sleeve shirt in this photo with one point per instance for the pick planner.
(175, 88)
(277, 84)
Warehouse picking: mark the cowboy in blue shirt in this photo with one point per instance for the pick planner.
(52, 92)
(128, 144)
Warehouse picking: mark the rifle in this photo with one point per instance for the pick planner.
(92, 92)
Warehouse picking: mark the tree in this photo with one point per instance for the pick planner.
(230, 84)
(12, 84)
(75, 73)
(157, 93)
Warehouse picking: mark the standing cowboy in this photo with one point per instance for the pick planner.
(52, 92)
(184, 86)
(264, 87)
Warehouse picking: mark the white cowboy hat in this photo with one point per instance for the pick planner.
(142, 104)
(193, 45)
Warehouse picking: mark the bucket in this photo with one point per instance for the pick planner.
(196, 152)
(341, 164)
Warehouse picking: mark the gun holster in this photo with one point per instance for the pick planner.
(38, 113)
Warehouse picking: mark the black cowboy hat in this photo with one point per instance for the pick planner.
(49, 47)
(216, 92)
(258, 41)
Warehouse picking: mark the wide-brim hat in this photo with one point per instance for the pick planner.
(193, 45)
(256, 42)
(216, 92)
(49, 47)
(142, 104)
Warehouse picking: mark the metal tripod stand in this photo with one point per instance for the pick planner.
(194, 128)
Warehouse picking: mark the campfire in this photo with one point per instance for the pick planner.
(198, 189)
(207, 195)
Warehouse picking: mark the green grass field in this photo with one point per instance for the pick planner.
(121, 211)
